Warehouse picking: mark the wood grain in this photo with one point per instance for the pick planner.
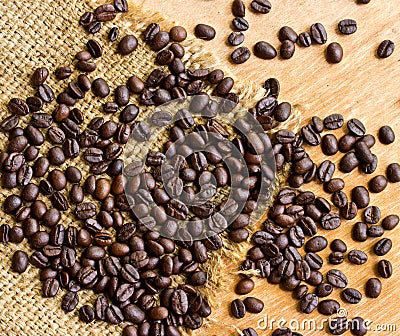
(361, 86)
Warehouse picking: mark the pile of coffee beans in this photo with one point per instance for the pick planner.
(287, 36)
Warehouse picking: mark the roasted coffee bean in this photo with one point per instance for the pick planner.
(393, 172)
(369, 168)
(348, 162)
(121, 5)
(333, 121)
(310, 135)
(334, 185)
(324, 290)
(178, 34)
(83, 55)
(359, 232)
(372, 215)
(113, 34)
(127, 45)
(358, 326)
(328, 307)
(329, 144)
(45, 93)
(363, 153)
(385, 269)
(330, 221)
(377, 184)
(86, 314)
(360, 196)
(334, 53)
(346, 142)
(114, 315)
(339, 199)
(347, 26)
(287, 33)
(375, 231)
(390, 222)
(84, 82)
(244, 286)
(314, 260)
(19, 262)
(94, 48)
(373, 288)
(304, 39)
(349, 211)
(383, 246)
(50, 287)
(357, 257)
(356, 127)
(39, 76)
(238, 309)
(287, 49)
(261, 6)
(264, 50)
(316, 244)
(351, 295)
(235, 38)
(100, 88)
(308, 225)
(253, 305)
(240, 55)
(69, 302)
(105, 13)
(159, 41)
(240, 23)
(385, 49)
(338, 325)
(336, 278)
(224, 86)
(238, 8)
(309, 303)
(318, 33)
(34, 103)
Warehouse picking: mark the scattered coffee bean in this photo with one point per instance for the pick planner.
(264, 50)
(347, 26)
(386, 135)
(238, 309)
(261, 6)
(383, 246)
(204, 32)
(385, 269)
(373, 288)
(318, 33)
(240, 55)
(334, 53)
(385, 49)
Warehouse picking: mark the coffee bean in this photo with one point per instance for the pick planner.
(383, 246)
(328, 307)
(358, 326)
(45, 93)
(369, 168)
(105, 13)
(86, 314)
(204, 32)
(357, 257)
(390, 222)
(349, 211)
(377, 184)
(94, 48)
(359, 232)
(373, 288)
(50, 287)
(338, 325)
(113, 34)
(93, 27)
(360, 196)
(372, 215)
(309, 303)
(178, 34)
(386, 135)
(84, 83)
(329, 144)
(261, 6)
(69, 302)
(339, 199)
(334, 53)
(114, 315)
(314, 260)
(287, 49)
(333, 121)
(240, 23)
(336, 258)
(235, 38)
(253, 305)
(348, 162)
(240, 55)
(304, 39)
(244, 286)
(264, 50)
(347, 26)
(121, 5)
(385, 49)
(19, 261)
(316, 244)
(336, 278)
(318, 33)
(385, 269)
(127, 45)
(238, 8)
(39, 76)
(351, 295)
(347, 141)
(100, 88)
(18, 107)
(238, 309)
(324, 290)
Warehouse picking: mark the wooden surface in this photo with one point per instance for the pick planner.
(361, 86)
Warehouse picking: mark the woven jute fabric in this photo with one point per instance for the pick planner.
(46, 33)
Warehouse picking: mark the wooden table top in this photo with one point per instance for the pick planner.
(361, 86)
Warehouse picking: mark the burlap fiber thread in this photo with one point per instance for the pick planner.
(46, 33)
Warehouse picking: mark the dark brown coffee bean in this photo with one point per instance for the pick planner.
(287, 49)
(264, 50)
(121, 5)
(347, 142)
(333, 121)
(385, 49)
(238, 309)
(337, 278)
(105, 13)
(359, 232)
(360, 196)
(100, 88)
(358, 326)
(316, 244)
(318, 33)
(348, 162)
(159, 41)
(372, 215)
(50, 287)
(240, 23)
(347, 26)
(304, 39)
(178, 34)
(253, 305)
(357, 257)
(334, 53)
(349, 211)
(328, 307)
(127, 45)
(373, 288)
(351, 295)
(261, 6)
(385, 269)
(309, 303)
(19, 261)
(244, 286)
(240, 55)
(324, 290)
(383, 246)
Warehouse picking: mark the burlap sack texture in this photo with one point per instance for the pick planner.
(46, 33)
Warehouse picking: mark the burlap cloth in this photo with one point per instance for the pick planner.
(46, 33)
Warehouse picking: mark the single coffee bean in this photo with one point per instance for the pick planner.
(261, 6)
(238, 8)
(351, 295)
(204, 32)
(385, 49)
(357, 257)
(328, 307)
(253, 305)
(287, 33)
(45, 93)
(386, 135)
(393, 172)
(264, 50)
(235, 38)
(39, 76)
(244, 286)
(333, 121)
(19, 262)
(338, 245)
(287, 49)
(113, 34)
(373, 288)
(360, 196)
(50, 287)
(349, 211)
(390, 222)
(94, 48)
(348, 162)
(240, 55)
(121, 5)
(334, 53)
(127, 45)
(337, 278)
(310, 136)
(238, 309)
(324, 290)
(304, 40)
(105, 13)
(385, 269)
(339, 199)
(329, 144)
(316, 244)
(100, 88)
(358, 327)
(178, 34)
(309, 303)
(377, 184)
(383, 246)
(372, 215)
(69, 302)
(375, 231)
(318, 33)
(336, 258)
(240, 24)
(360, 232)
(347, 141)
(347, 26)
